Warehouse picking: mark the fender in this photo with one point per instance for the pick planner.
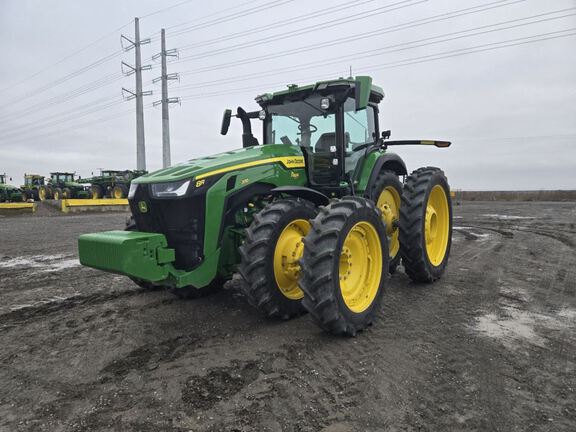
(312, 195)
(389, 161)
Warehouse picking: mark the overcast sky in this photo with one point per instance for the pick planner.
(510, 112)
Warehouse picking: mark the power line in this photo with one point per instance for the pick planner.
(277, 24)
(395, 47)
(365, 35)
(65, 97)
(62, 60)
(167, 8)
(422, 59)
(229, 17)
(309, 29)
(399, 47)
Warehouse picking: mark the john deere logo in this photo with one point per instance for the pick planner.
(143, 207)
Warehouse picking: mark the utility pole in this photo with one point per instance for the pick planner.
(165, 101)
(138, 94)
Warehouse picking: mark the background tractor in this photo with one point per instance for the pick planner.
(313, 219)
(35, 188)
(63, 185)
(111, 184)
(9, 193)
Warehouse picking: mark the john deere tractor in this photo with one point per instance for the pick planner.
(35, 188)
(63, 185)
(111, 184)
(9, 193)
(313, 219)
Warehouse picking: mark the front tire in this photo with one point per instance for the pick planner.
(386, 193)
(425, 224)
(345, 265)
(269, 257)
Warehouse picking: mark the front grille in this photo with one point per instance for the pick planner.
(181, 220)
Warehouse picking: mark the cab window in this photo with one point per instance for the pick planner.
(359, 126)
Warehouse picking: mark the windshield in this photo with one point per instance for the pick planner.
(301, 123)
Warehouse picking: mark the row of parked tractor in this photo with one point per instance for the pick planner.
(67, 185)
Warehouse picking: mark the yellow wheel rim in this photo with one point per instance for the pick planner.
(42, 194)
(56, 195)
(437, 225)
(94, 194)
(288, 251)
(117, 193)
(360, 268)
(389, 204)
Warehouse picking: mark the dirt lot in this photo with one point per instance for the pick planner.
(492, 346)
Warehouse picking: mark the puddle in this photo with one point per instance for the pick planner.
(43, 263)
(513, 326)
(507, 217)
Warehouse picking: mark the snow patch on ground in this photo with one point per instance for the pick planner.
(43, 263)
(513, 326)
(507, 217)
(470, 234)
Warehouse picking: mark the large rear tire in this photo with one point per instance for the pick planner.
(67, 193)
(269, 257)
(119, 191)
(386, 192)
(58, 194)
(425, 224)
(345, 265)
(96, 192)
(43, 193)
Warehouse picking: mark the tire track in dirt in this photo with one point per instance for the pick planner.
(49, 307)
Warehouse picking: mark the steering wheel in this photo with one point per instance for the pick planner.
(312, 128)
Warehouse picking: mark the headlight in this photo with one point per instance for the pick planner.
(173, 189)
(132, 191)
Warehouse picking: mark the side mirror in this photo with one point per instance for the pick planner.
(386, 134)
(226, 122)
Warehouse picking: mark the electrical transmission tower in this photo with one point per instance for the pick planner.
(165, 101)
(137, 94)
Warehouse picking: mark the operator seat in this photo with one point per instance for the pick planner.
(325, 141)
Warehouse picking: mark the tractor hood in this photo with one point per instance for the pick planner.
(288, 155)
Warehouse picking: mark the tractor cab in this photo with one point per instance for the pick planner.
(333, 123)
(33, 180)
(61, 177)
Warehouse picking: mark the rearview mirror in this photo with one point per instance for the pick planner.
(226, 121)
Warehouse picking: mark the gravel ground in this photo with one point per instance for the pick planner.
(491, 346)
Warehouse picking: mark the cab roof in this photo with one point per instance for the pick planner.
(364, 90)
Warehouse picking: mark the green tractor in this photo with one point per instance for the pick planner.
(9, 193)
(314, 219)
(35, 188)
(64, 185)
(112, 184)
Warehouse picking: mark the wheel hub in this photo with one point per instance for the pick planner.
(288, 251)
(360, 267)
(437, 225)
(389, 204)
